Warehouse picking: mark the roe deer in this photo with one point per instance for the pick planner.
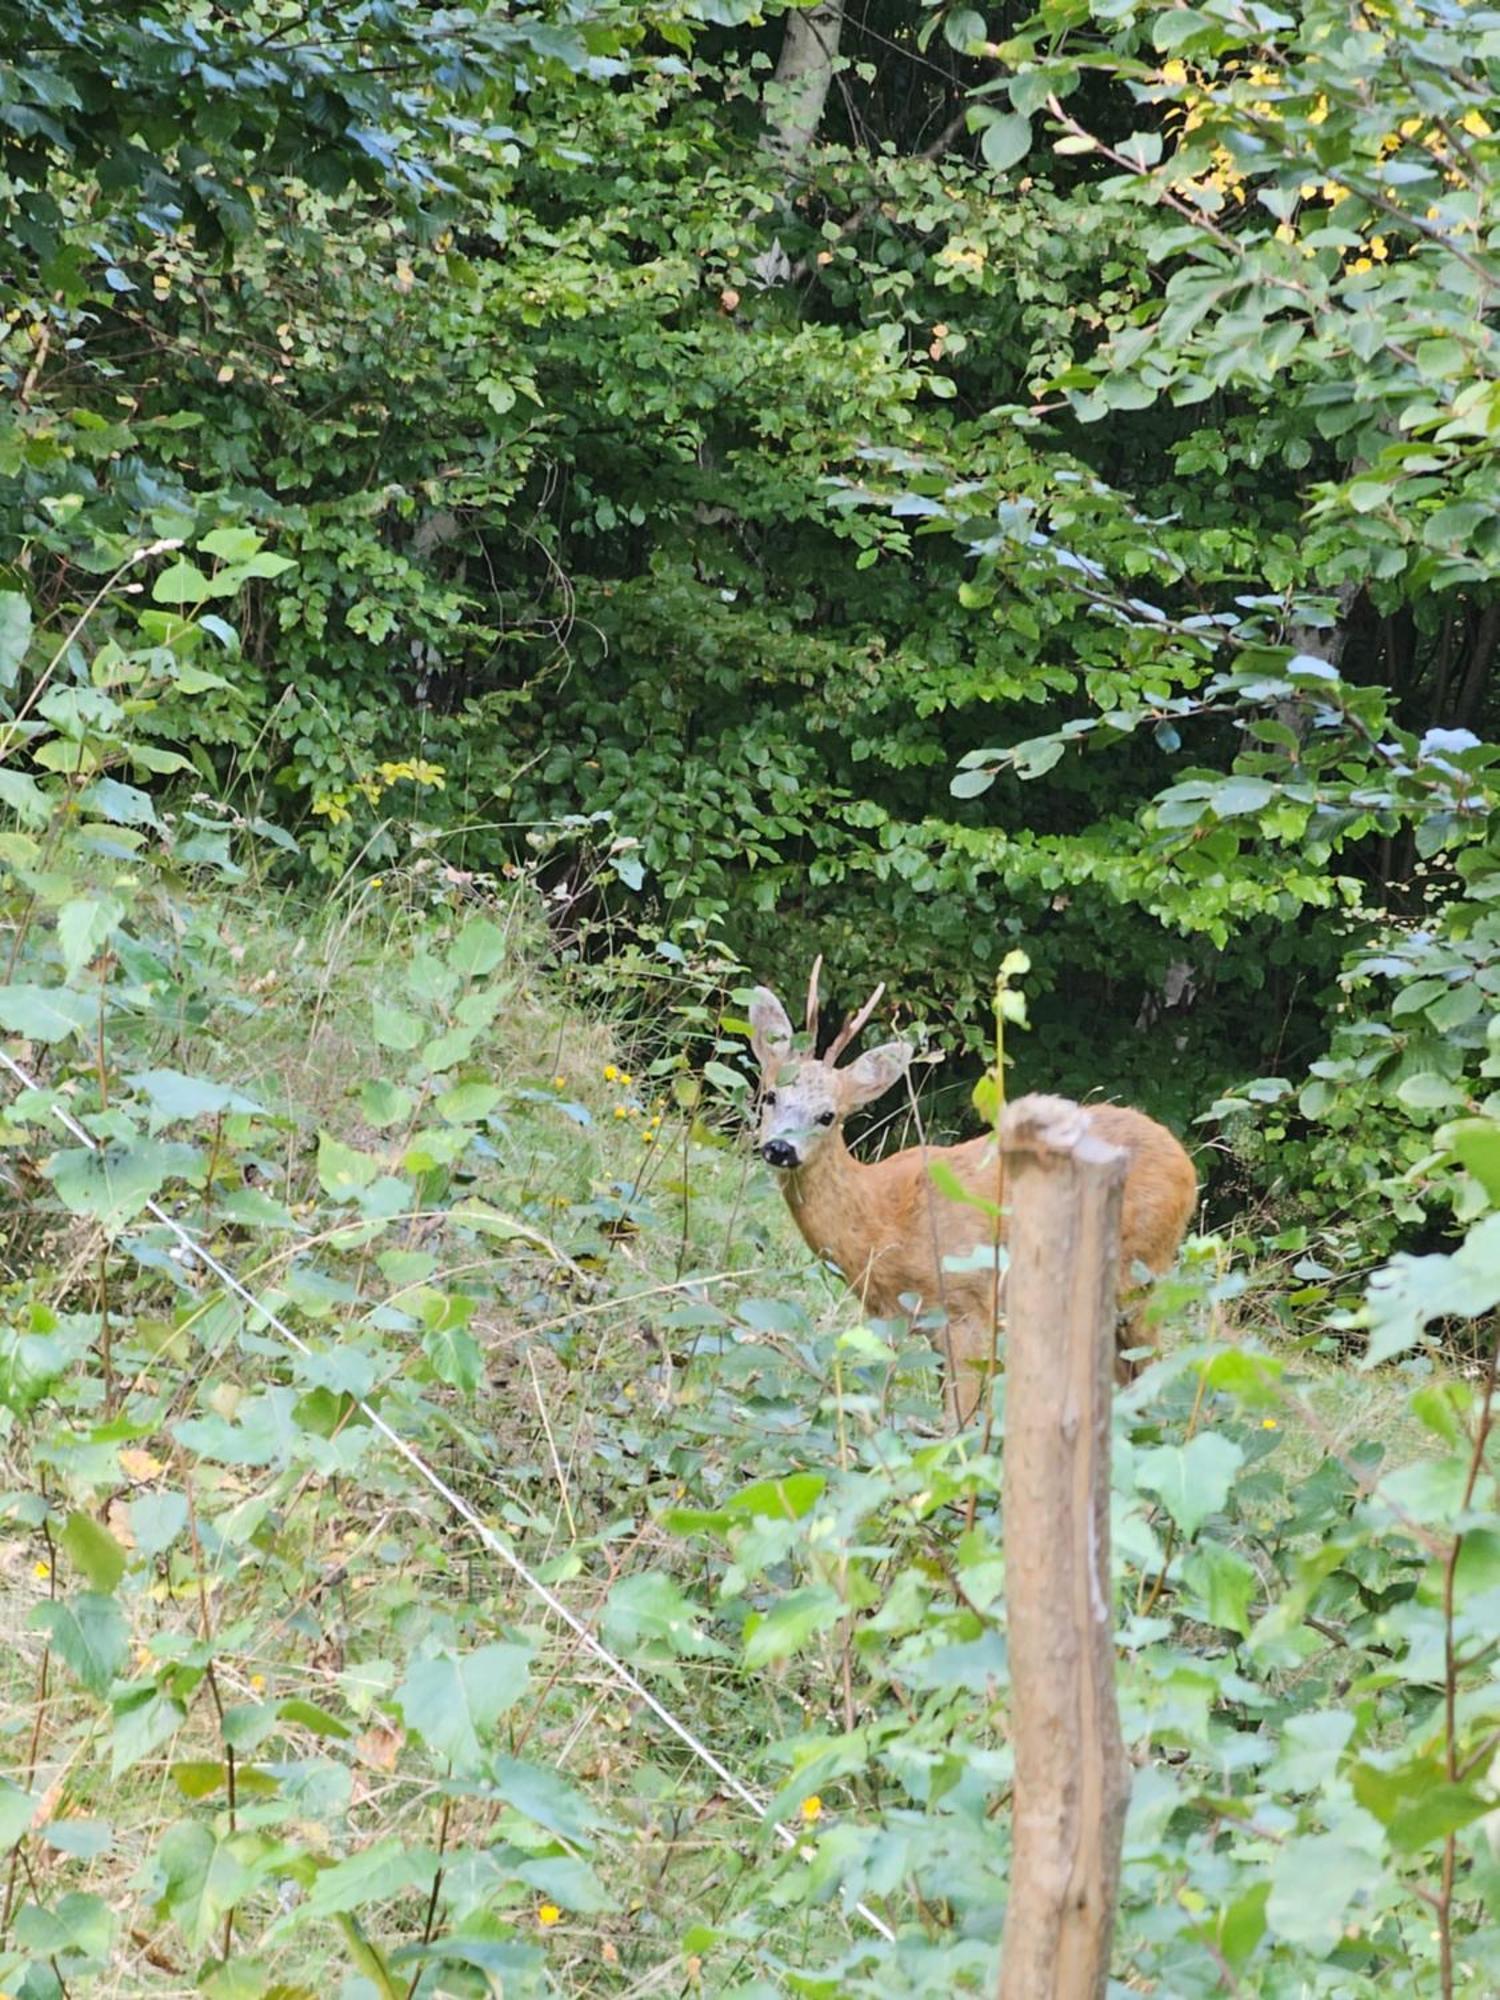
(893, 1234)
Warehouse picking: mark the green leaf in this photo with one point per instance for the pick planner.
(369, 1959)
(1239, 1927)
(1457, 1006)
(197, 1878)
(1410, 1292)
(1177, 26)
(395, 1028)
(1428, 1092)
(83, 927)
(1476, 1141)
(566, 1879)
(786, 1498)
(15, 636)
(1225, 1583)
(304, 1714)
(545, 1797)
(1313, 1881)
(456, 1358)
(78, 1926)
(374, 1875)
(454, 1700)
(1364, 495)
(144, 1720)
(478, 949)
(468, 1102)
(114, 1184)
(648, 1617)
(93, 1550)
(1310, 1749)
(385, 1104)
(1005, 139)
(1192, 1480)
(200, 1778)
(156, 1520)
(970, 784)
(230, 544)
(172, 1095)
(22, 795)
(88, 1634)
(786, 1629)
(46, 1013)
(962, 27)
(181, 585)
(1415, 1802)
(343, 1172)
(120, 804)
(17, 1810)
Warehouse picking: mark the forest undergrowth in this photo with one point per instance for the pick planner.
(279, 1722)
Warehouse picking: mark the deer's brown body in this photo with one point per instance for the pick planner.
(897, 1238)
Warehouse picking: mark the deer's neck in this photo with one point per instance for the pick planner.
(840, 1208)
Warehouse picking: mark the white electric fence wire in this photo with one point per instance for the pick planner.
(192, 1248)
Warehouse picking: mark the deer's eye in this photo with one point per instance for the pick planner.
(825, 1118)
(769, 1098)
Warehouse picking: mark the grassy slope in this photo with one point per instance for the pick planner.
(586, 1417)
(657, 1338)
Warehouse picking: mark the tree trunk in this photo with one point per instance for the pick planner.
(809, 51)
(1072, 1783)
(1470, 701)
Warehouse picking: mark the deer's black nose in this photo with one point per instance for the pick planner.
(779, 1153)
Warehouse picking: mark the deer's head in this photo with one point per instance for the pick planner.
(806, 1098)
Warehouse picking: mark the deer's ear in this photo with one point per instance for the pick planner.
(874, 1073)
(770, 1030)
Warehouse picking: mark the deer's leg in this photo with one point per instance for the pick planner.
(1133, 1327)
(969, 1343)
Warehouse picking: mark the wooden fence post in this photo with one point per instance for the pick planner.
(1072, 1784)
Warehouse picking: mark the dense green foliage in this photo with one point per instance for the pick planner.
(626, 477)
(452, 461)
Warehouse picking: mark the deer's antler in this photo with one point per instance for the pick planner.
(812, 1002)
(853, 1025)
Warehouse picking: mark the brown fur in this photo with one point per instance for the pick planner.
(889, 1230)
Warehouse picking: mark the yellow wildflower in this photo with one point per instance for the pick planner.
(41, 1571)
(622, 1111)
(812, 1807)
(559, 1083)
(1335, 193)
(611, 1074)
(257, 1681)
(1319, 112)
(548, 1915)
(1379, 249)
(1268, 1423)
(626, 1078)
(1360, 266)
